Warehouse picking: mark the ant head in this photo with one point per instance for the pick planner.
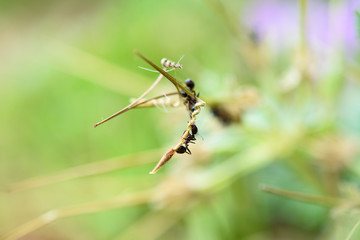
(190, 83)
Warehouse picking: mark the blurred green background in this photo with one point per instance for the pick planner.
(281, 163)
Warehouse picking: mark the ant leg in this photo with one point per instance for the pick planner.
(188, 150)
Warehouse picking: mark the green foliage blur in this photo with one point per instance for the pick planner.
(280, 162)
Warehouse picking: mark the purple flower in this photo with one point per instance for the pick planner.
(328, 25)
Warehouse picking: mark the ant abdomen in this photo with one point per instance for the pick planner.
(181, 149)
(194, 129)
(168, 63)
(189, 83)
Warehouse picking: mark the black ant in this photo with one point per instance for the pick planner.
(194, 129)
(190, 138)
(190, 101)
(183, 149)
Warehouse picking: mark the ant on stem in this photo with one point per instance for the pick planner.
(189, 97)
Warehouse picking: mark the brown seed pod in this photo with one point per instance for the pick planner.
(166, 157)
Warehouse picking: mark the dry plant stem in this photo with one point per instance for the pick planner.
(168, 155)
(143, 102)
(53, 215)
(131, 105)
(320, 200)
(104, 166)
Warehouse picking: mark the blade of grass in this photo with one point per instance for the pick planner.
(88, 170)
(248, 161)
(351, 233)
(302, 23)
(152, 225)
(314, 199)
(96, 70)
(92, 207)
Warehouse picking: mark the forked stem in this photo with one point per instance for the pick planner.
(144, 101)
(132, 105)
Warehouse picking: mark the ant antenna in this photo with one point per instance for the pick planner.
(168, 63)
(178, 62)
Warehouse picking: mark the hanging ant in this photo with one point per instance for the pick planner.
(190, 138)
(194, 129)
(189, 101)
